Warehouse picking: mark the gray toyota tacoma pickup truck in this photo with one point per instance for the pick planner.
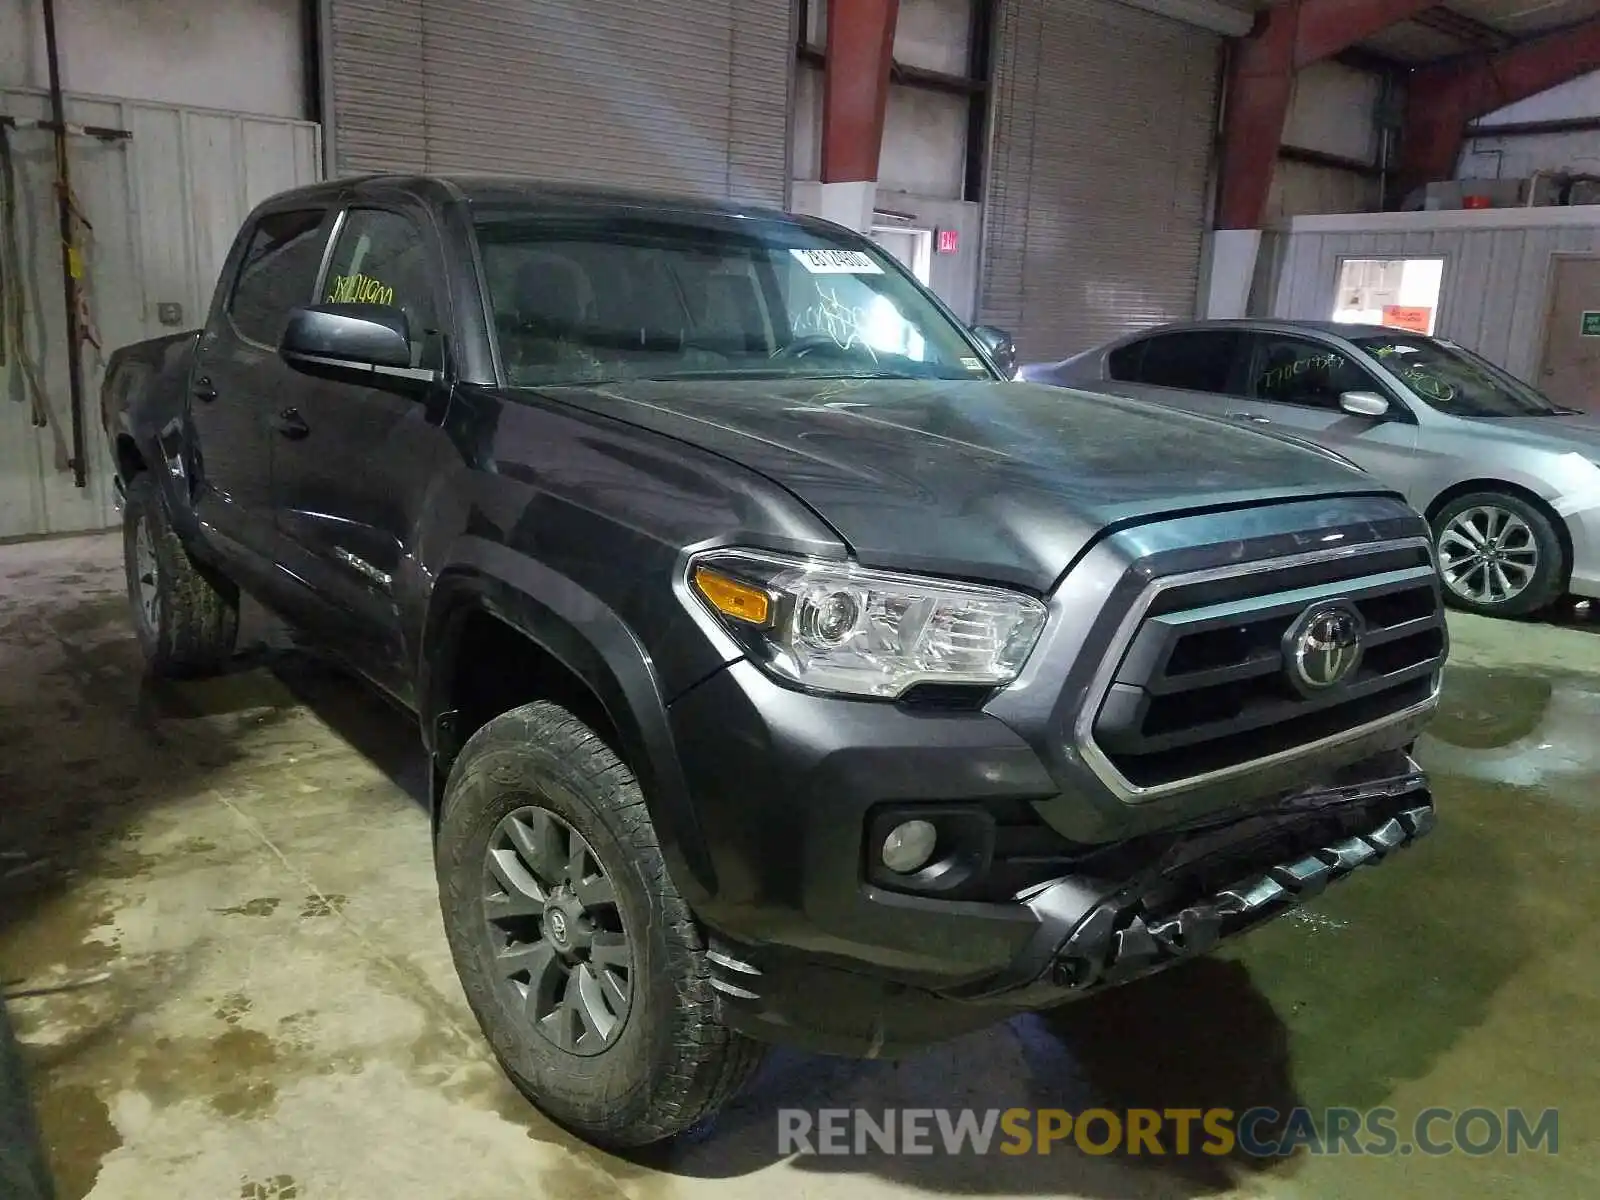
(787, 675)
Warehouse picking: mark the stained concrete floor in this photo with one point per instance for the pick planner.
(235, 875)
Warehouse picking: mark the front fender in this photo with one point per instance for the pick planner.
(596, 646)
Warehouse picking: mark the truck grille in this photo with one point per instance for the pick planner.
(1203, 681)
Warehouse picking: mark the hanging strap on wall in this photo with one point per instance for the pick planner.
(13, 300)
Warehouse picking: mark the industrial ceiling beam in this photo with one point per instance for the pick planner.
(1446, 96)
(1469, 32)
(1288, 37)
(855, 87)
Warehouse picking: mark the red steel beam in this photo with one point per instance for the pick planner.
(1444, 98)
(1261, 77)
(855, 87)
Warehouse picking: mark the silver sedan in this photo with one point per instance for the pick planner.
(1507, 478)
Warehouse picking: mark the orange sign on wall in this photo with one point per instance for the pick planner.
(1416, 320)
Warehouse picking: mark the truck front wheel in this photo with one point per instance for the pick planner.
(187, 618)
(580, 959)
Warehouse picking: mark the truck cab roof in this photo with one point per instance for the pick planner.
(502, 191)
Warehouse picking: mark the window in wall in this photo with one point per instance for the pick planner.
(1402, 293)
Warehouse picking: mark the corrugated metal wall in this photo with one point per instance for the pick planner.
(1099, 172)
(688, 97)
(165, 206)
(374, 88)
(1496, 289)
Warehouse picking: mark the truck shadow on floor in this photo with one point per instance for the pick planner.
(1301, 1013)
(1198, 1038)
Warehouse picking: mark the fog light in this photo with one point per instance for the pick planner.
(909, 846)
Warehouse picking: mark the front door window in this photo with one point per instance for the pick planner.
(381, 258)
(1305, 374)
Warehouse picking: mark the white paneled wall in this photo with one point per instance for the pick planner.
(165, 205)
(1497, 270)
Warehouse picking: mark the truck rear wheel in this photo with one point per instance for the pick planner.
(186, 617)
(580, 959)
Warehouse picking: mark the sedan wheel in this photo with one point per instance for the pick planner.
(1488, 555)
(1499, 555)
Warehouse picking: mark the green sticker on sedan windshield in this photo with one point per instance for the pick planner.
(972, 364)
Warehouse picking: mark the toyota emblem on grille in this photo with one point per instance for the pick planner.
(1323, 648)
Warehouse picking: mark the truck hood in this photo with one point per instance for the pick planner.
(1004, 482)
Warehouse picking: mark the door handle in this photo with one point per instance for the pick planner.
(1251, 417)
(291, 424)
(203, 389)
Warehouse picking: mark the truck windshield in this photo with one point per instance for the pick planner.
(1456, 381)
(586, 300)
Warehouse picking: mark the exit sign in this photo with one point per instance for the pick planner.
(949, 241)
(1591, 324)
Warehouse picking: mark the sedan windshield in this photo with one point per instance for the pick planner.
(1456, 381)
(587, 300)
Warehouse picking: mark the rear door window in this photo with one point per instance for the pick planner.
(1123, 363)
(278, 273)
(1200, 360)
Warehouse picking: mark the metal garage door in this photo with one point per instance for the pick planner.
(1104, 120)
(692, 96)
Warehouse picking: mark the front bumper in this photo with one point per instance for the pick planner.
(1583, 529)
(1090, 932)
(810, 952)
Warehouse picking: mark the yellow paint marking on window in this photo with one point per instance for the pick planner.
(359, 289)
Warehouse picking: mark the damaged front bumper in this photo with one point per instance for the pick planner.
(1144, 907)
(1210, 886)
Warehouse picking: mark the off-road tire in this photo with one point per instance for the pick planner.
(196, 621)
(674, 1062)
(1550, 574)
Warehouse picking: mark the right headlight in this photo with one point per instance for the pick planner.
(836, 627)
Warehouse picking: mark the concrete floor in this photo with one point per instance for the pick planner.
(237, 874)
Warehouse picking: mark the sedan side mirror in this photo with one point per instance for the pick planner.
(1002, 349)
(360, 339)
(1364, 404)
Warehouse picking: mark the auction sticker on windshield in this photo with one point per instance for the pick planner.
(837, 262)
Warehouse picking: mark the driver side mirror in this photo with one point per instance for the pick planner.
(1002, 349)
(1364, 404)
(371, 341)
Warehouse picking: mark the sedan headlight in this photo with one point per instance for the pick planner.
(836, 627)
